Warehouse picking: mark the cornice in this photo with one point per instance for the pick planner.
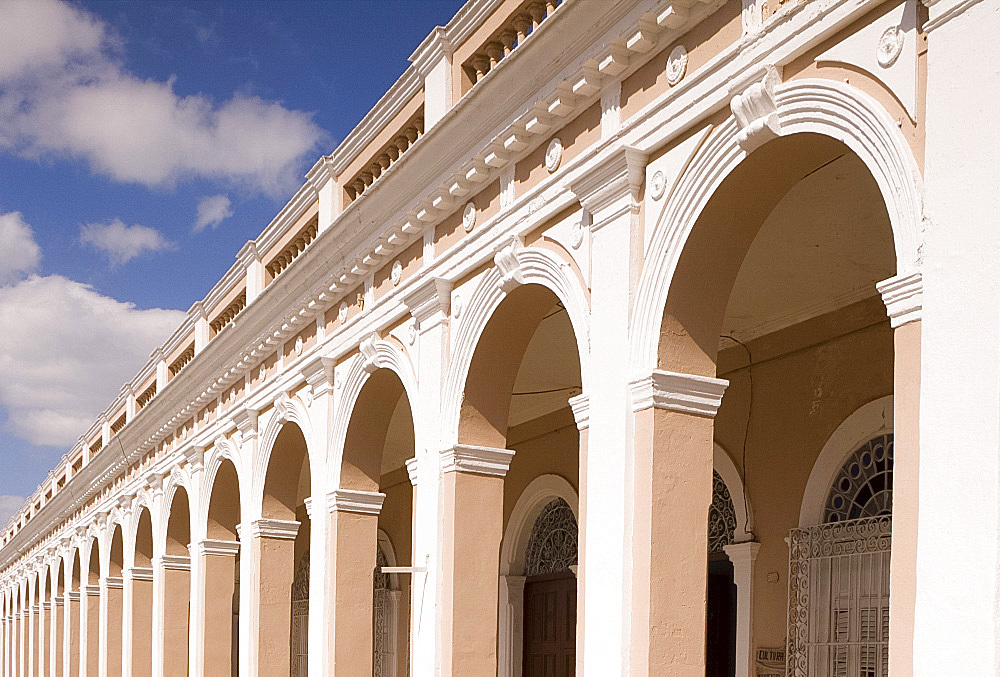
(684, 393)
(435, 47)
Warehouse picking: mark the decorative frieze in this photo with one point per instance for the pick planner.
(350, 500)
(685, 393)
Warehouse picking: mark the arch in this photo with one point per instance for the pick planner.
(222, 453)
(864, 423)
(142, 538)
(223, 501)
(539, 493)
(823, 107)
(116, 551)
(723, 464)
(289, 413)
(534, 267)
(280, 483)
(177, 534)
(390, 357)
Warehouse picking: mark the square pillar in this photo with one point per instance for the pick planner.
(139, 585)
(472, 528)
(218, 562)
(58, 630)
(673, 491)
(44, 638)
(176, 572)
(72, 662)
(90, 630)
(112, 589)
(352, 543)
(273, 549)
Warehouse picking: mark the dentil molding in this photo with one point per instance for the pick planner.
(672, 391)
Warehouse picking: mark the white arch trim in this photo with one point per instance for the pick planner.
(826, 107)
(869, 420)
(533, 266)
(723, 464)
(388, 355)
(539, 493)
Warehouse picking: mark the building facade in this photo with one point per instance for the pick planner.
(585, 353)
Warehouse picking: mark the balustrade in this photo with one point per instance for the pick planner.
(524, 21)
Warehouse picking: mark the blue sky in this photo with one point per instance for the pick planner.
(141, 144)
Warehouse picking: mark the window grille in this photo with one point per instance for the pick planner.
(552, 547)
(863, 487)
(721, 516)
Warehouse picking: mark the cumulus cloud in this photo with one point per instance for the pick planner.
(212, 211)
(65, 353)
(69, 94)
(9, 505)
(19, 253)
(121, 243)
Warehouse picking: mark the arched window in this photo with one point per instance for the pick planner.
(552, 547)
(721, 516)
(863, 487)
(300, 618)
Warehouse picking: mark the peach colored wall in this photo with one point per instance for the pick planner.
(74, 637)
(411, 259)
(93, 621)
(702, 43)
(142, 628)
(220, 578)
(549, 444)
(806, 380)
(177, 592)
(277, 570)
(352, 538)
(576, 136)
(114, 642)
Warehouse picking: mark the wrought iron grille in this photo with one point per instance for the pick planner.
(552, 547)
(721, 515)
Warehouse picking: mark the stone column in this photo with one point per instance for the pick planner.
(902, 296)
(672, 494)
(610, 194)
(956, 616)
(44, 637)
(112, 589)
(742, 555)
(272, 548)
(175, 608)
(58, 634)
(472, 527)
(90, 630)
(218, 562)
(139, 583)
(72, 664)
(33, 640)
(353, 540)
(430, 305)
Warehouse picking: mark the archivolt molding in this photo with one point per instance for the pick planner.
(533, 266)
(384, 354)
(825, 107)
(867, 421)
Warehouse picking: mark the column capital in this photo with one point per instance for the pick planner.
(217, 547)
(413, 470)
(464, 458)
(113, 582)
(742, 553)
(612, 187)
(359, 502)
(685, 393)
(272, 528)
(903, 296)
(139, 574)
(91, 590)
(580, 405)
(174, 562)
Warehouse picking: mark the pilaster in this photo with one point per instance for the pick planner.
(742, 556)
(432, 59)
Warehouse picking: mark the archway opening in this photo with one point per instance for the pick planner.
(92, 612)
(142, 596)
(775, 292)
(73, 601)
(177, 586)
(222, 566)
(284, 556)
(58, 603)
(524, 371)
(379, 442)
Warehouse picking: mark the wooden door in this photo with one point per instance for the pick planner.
(550, 625)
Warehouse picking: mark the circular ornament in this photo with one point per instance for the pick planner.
(676, 65)
(298, 345)
(469, 217)
(456, 306)
(576, 237)
(342, 313)
(396, 274)
(553, 155)
(890, 46)
(657, 184)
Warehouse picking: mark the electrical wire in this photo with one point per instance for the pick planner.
(746, 435)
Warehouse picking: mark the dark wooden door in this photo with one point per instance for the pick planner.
(550, 626)
(720, 649)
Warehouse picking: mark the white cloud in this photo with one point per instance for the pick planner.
(65, 353)
(9, 505)
(19, 253)
(75, 98)
(123, 243)
(212, 211)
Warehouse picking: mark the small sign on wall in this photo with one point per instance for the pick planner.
(771, 661)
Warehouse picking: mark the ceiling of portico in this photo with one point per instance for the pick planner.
(824, 246)
(399, 437)
(550, 371)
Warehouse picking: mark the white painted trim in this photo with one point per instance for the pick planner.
(903, 296)
(272, 528)
(219, 548)
(685, 393)
(580, 404)
(743, 555)
(866, 422)
(539, 493)
(360, 502)
(467, 458)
